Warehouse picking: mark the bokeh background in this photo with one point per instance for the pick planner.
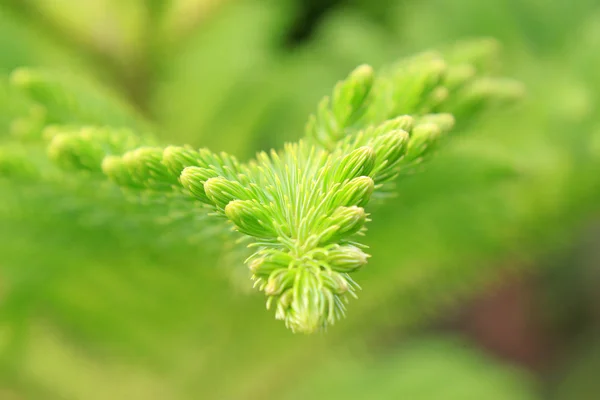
(485, 276)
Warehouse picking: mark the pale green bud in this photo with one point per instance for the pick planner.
(435, 99)
(414, 81)
(194, 178)
(350, 94)
(145, 164)
(117, 171)
(335, 282)
(443, 120)
(283, 303)
(357, 192)
(269, 261)
(263, 266)
(306, 311)
(403, 122)
(177, 158)
(347, 221)
(346, 258)
(390, 148)
(360, 162)
(250, 218)
(485, 92)
(71, 151)
(422, 140)
(222, 191)
(85, 148)
(282, 258)
(458, 75)
(280, 281)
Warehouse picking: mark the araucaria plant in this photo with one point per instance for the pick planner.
(301, 210)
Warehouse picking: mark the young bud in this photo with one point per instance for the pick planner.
(262, 266)
(357, 192)
(280, 281)
(177, 158)
(250, 218)
(222, 191)
(435, 99)
(335, 282)
(282, 258)
(390, 148)
(346, 258)
(458, 75)
(360, 162)
(483, 93)
(415, 79)
(116, 170)
(145, 164)
(372, 133)
(70, 151)
(444, 121)
(283, 303)
(306, 313)
(403, 122)
(346, 222)
(194, 178)
(350, 94)
(422, 140)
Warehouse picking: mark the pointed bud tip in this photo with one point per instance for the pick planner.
(235, 207)
(359, 162)
(110, 163)
(363, 71)
(221, 191)
(188, 175)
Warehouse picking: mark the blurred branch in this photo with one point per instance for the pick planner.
(188, 19)
(134, 77)
(124, 73)
(98, 55)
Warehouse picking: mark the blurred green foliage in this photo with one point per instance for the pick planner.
(101, 299)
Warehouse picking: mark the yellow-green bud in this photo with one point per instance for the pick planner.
(145, 164)
(280, 281)
(222, 191)
(403, 122)
(177, 158)
(350, 94)
(194, 178)
(117, 171)
(346, 258)
(390, 148)
(357, 192)
(335, 282)
(250, 218)
(263, 266)
(69, 150)
(347, 221)
(360, 162)
(458, 75)
(422, 140)
(444, 121)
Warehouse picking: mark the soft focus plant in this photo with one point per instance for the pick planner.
(303, 209)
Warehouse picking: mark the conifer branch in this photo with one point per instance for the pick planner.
(304, 208)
